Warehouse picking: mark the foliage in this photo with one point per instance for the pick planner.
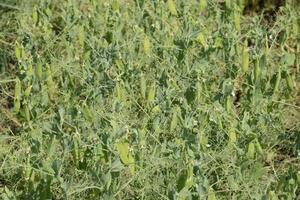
(140, 99)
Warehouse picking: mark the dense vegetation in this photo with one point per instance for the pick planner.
(136, 99)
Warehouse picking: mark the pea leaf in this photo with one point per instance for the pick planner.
(123, 150)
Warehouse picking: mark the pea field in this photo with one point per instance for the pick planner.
(150, 99)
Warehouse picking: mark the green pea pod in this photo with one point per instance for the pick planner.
(257, 71)
(251, 151)
(143, 86)
(258, 147)
(232, 136)
(172, 7)
(151, 93)
(174, 121)
(27, 91)
(245, 57)
(26, 112)
(147, 46)
(289, 82)
(50, 83)
(237, 20)
(19, 51)
(17, 99)
(39, 71)
(277, 82)
(202, 5)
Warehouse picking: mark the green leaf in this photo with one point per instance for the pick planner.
(288, 59)
(185, 179)
(124, 153)
(201, 38)
(88, 115)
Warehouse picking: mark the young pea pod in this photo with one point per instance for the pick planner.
(17, 99)
(19, 52)
(143, 86)
(81, 36)
(257, 71)
(258, 147)
(26, 112)
(27, 91)
(298, 177)
(174, 120)
(35, 16)
(50, 83)
(228, 104)
(289, 82)
(277, 82)
(295, 26)
(75, 151)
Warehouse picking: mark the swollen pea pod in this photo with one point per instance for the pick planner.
(202, 5)
(174, 120)
(289, 82)
(151, 93)
(172, 7)
(237, 20)
(257, 71)
(147, 46)
(245, 57)
(35, 17)
(211, 194)
(39, 71)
